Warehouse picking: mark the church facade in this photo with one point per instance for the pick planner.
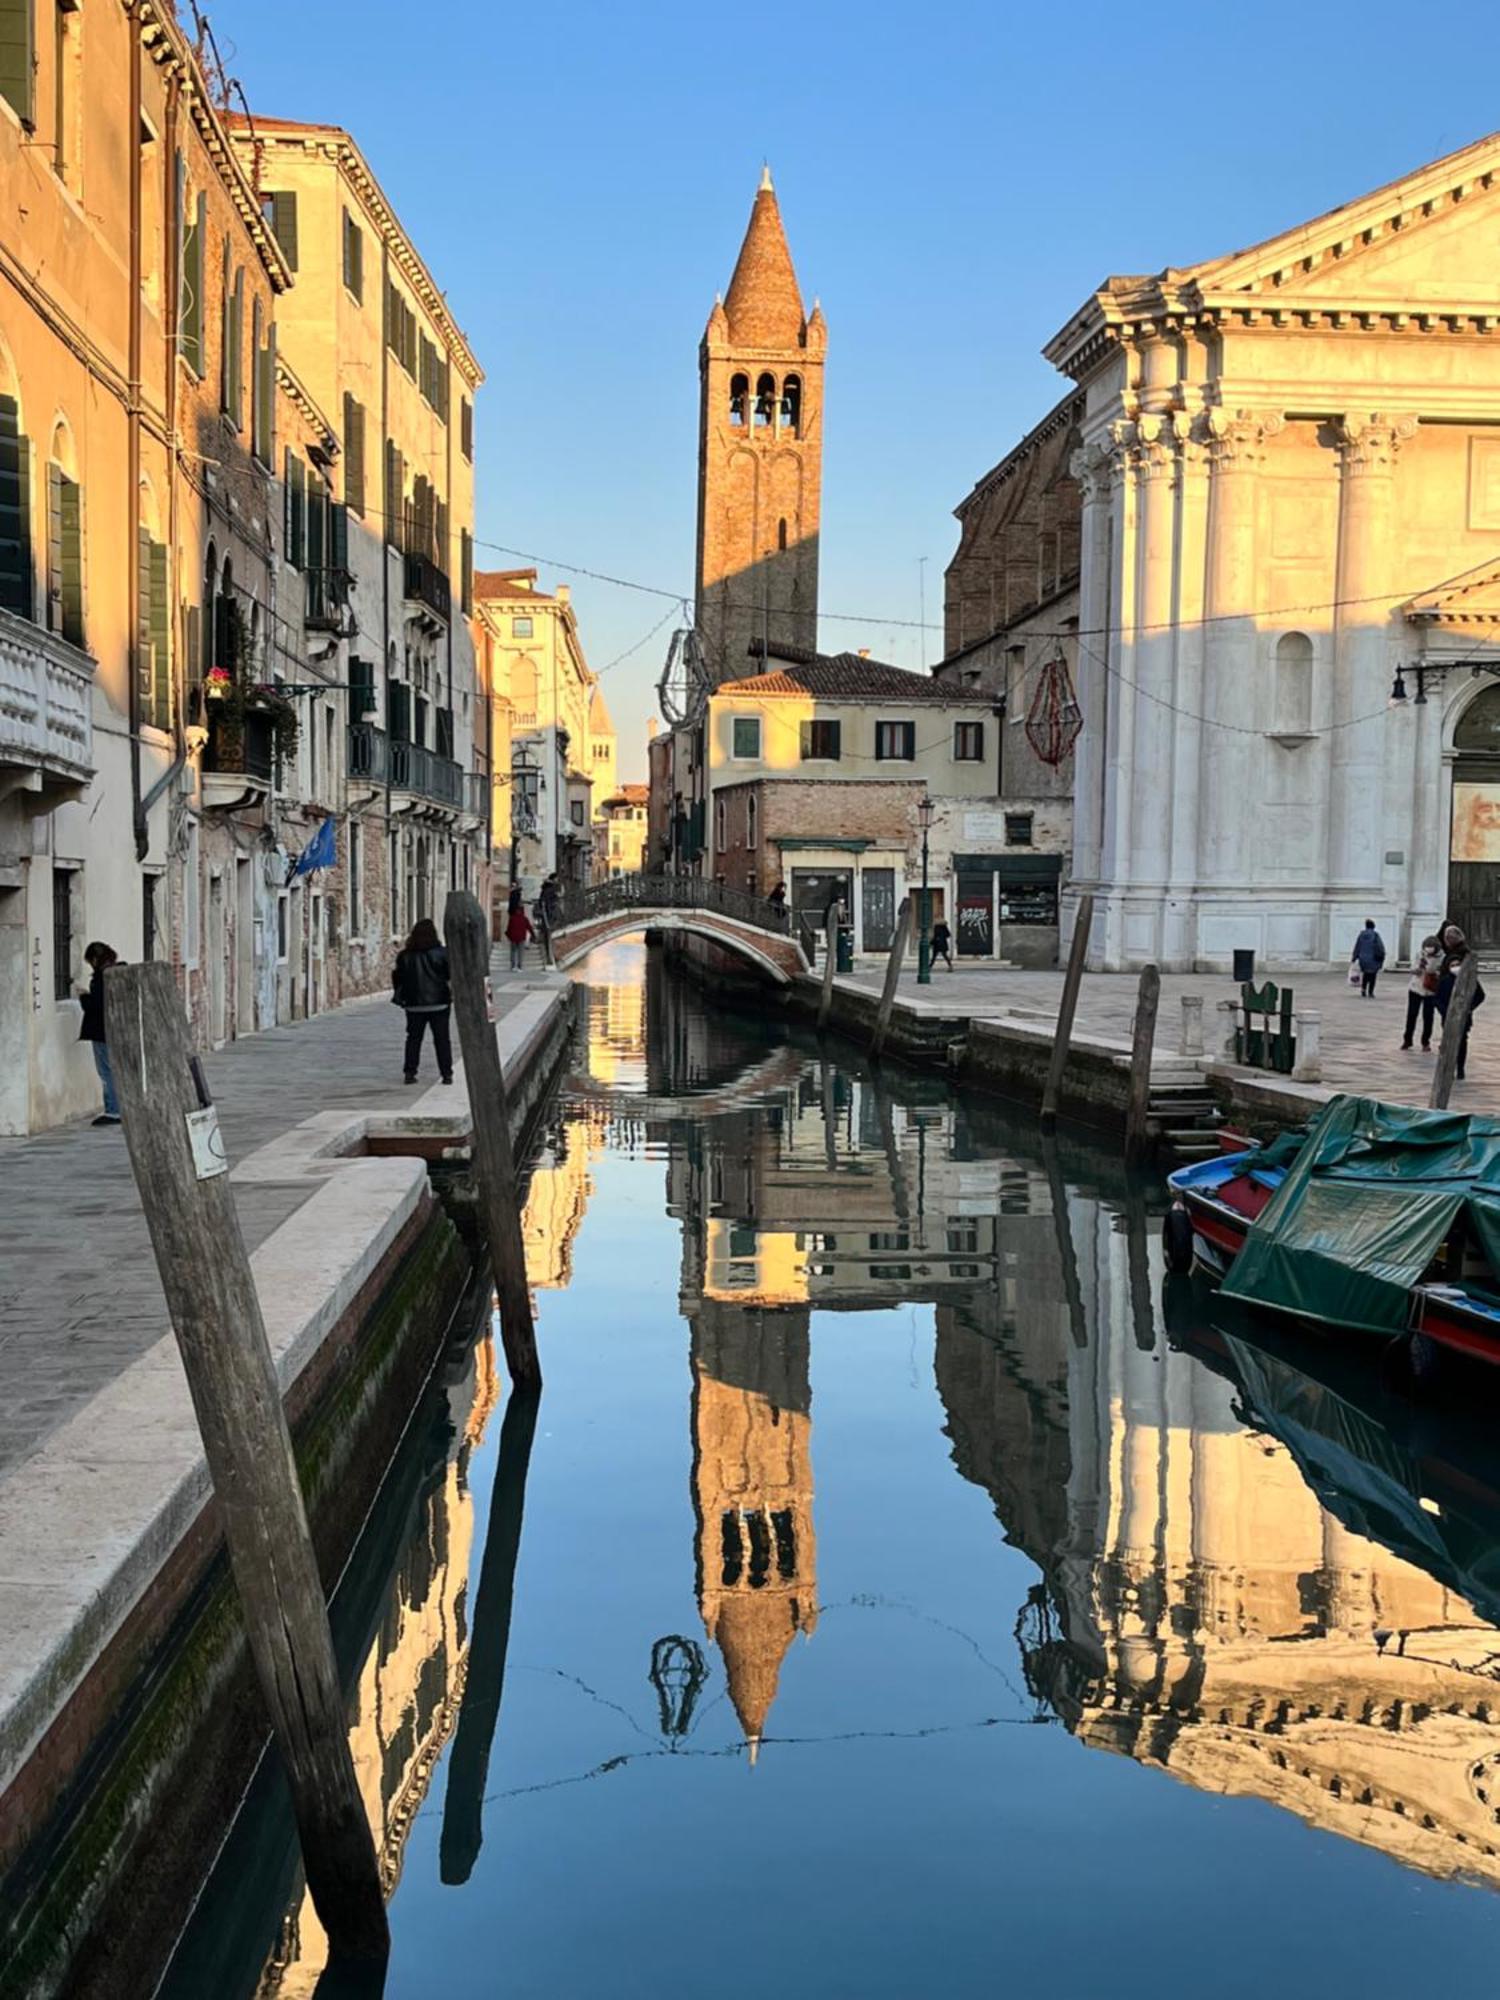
(1290, 586)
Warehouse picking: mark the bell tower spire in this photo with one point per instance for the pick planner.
(760, 448)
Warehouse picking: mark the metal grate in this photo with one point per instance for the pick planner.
(62, 933)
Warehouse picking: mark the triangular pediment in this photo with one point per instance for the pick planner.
(1470, 598)
(1430, 235)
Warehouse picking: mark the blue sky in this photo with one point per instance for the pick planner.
(954, 180)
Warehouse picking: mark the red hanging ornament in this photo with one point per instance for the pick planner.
(1054, 718)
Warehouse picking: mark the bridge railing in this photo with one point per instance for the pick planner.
(671, 892)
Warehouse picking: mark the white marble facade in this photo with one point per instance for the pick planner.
(1290, 464)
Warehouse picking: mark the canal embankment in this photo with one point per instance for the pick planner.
(129, 1718)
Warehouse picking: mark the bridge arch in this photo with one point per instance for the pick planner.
(769, 953)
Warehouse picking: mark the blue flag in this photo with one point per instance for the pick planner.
(320, 852)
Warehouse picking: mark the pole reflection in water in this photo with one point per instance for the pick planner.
(1222, 1561)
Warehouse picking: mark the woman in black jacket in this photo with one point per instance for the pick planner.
(99, 958)
(420, 985)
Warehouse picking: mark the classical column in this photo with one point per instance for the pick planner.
(1117, 657)
(1233, 698)
(1362, 669)
(1090, 467)
(1144, 861)
(1179, 924)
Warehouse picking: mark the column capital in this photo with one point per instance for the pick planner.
(1368, 444)
(1237, 439)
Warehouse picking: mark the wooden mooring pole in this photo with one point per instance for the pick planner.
(1068, 1007)
(892, 974)
(831, 923)
(467, 937)
(1138, 1110)
(177, 1155)
(1455, 1027)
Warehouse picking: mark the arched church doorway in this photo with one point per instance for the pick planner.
(1474, 838)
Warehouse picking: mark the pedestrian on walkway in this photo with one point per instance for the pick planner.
(518, 929)
(1455, 951)
(1421, 991)
(420, 986)
(1369, 955)
(942, 943)
(777, 898)
(99, 958)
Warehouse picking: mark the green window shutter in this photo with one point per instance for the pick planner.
(71, 512)
(317, 517)
(192, 655)
(179, 234)
(15, 512)
(286, 504)
(237, 352)
(354, 454)
(361, 689)
(17, 58)
(54, 547)
(805, 747)
(296, 553)
(161, 639)
(398, 711)
(338, 537)
(143, 624)
(466, 428)
(281, 212)
(190, 320)
(226, 307)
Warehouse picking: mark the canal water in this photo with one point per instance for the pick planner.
(906, 1590)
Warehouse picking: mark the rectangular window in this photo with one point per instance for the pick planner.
(354, 454)
(354, 257)
(721, 827)
(64, 556)
(262, 389)
(356, 878)
(148, 918)
(745, 738)
(465, 569)
(283, 927)
(895, 742)
(821, 741)
(968, 742)
(280, 211)
(401, 329)
(466, 428)
(1018, 829)
(361, 689)
(520, 628)
(15, 512)
(18, 59)
(752, 820)
(575, 811)
(62, 932)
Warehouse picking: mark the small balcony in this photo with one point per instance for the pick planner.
(427, 586)
(46, 709)
(239, 758)
(426, 776)
(477, 793)
(368, 760)
(326, 608)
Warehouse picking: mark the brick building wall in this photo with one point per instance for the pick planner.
(806, 809)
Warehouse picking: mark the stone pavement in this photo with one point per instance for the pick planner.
(79, 1295)
(1361, 1038)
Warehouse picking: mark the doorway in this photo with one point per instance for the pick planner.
(244, 947)
(1474, 830)
(218, 952)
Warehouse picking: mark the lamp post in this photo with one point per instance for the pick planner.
(924, 908)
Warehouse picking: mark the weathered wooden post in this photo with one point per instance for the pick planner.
(893, 974)
(1138, 1109)
(1062, 1225)
(177, 1156)
(489, 1115)
(468, 1767)
(832, 918)
(1063, 1033)
(1455, 1027)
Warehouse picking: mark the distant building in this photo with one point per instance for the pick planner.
(620, 836)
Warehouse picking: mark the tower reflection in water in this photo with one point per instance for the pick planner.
(1202, 1605)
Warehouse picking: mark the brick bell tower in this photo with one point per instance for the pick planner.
(760, 454)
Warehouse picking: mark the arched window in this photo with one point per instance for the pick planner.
(209, 637)
(781, 533)
(752, 820)
(1294, 690)
(739, 399)
(765, 401)
(64, 539)
(791, 403)
(1478, 728)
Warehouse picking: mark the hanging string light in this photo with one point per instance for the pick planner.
(1054, 719)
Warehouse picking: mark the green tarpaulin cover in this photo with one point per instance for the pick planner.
(1363, 1210)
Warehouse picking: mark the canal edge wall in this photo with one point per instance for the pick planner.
(129, 1716)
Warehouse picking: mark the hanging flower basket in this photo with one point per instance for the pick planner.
(217, 683)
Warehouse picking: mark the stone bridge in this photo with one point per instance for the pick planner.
(756, 930)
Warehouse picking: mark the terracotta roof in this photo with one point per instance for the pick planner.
(845, 677)
(506, 583)
(764, 304)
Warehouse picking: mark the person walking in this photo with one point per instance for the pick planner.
(1369, 955)
(1455, 951)
(420, 986)
(518, 929)
(99, 958)
(1421, 991)
(942, 943)
(777, 898)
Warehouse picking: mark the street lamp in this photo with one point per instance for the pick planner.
(924, 908)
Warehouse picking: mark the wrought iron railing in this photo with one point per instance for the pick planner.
(417, 769)
(671, 892)
(427, 584)
(367, 752)
(326, 608)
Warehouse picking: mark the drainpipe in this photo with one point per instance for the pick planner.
(133, 451)
(385, 565)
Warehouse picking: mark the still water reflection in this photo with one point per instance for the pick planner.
(877, 1484)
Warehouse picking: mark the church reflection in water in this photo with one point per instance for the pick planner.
(1242, 1578)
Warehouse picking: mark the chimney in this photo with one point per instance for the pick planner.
(650, 728)
(864, 652)
(564, 593)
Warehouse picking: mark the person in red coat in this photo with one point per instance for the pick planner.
(517, 929)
